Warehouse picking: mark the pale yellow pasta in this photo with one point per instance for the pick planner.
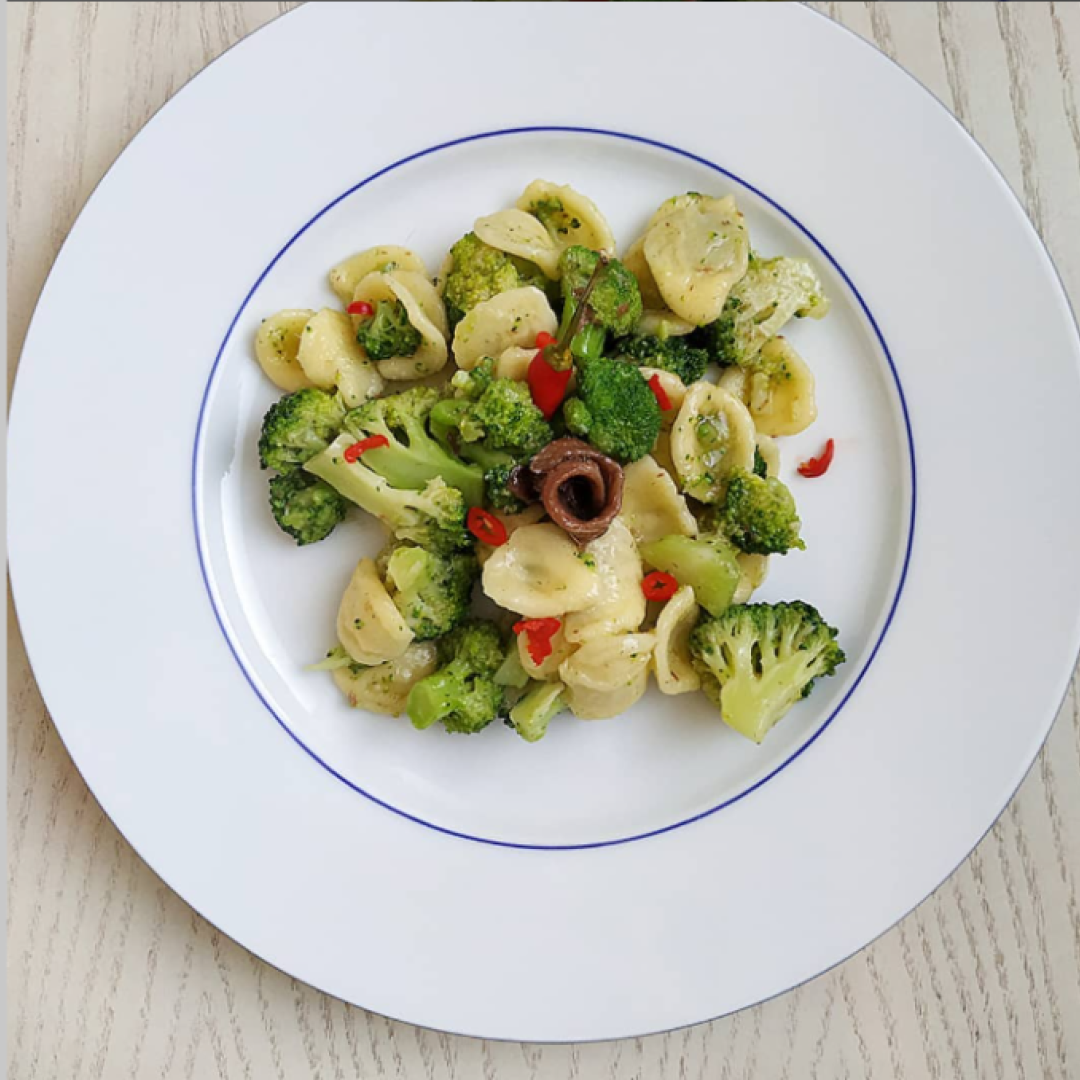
(425, 311)
(369, 626)
(443, 273)
(277, 345)
(663, 324)
(607, 674)
(712, 436)
(621, 603)
(518, 233)
(781, 397)
(513, 363)
(770, 453)
(539, 572)
(509, 319)
(634, 261)
(753, 570)
(385, 687)
(696, 252)
(661, 452)
(672, 666)
(569, 217)
(673, 386)
(351, 271)
(332, 357)
(548, 668)
(532, 514)
(652, 507)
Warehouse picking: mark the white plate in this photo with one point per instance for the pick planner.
(620, 877)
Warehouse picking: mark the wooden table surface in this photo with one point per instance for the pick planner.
(112, 975)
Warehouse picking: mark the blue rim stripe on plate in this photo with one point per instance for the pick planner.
(200, 431)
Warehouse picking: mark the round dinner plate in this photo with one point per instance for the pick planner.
(619, 877)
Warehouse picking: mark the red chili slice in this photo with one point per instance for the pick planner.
(547, 386)
(662, 398)
(538, 634)
(487, 528)
(372, 442)
(360, 307)
(659, 585)
(818, 466)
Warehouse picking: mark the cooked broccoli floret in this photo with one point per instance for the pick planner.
(388, 332)
(615, 301)
(462, 693)
(412, 457)
(501, 417)
(761, 466)
(433, 518)
(674, 354)
(497, 489)
(706, 563)
(478, 272)
(757, 660)
(759, 305)
(306, 508)
(297, 427)
(512, 672)
(615, 409)
(532, 714)
(759, 516)
(431, 591)
(471, 384)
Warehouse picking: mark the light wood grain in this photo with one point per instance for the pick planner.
(112, 975)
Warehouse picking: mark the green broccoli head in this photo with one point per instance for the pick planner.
(297, 427)
(388, 332)
(471, 384)
(433, 517)
(462, 693)
(432, 591)
(304, 507)
(533, 713)
(615, 409)
(772, 292)
(674, 354)
(757, 660)
(615, 301)
(412, 457)
(478, 272)
(495, 421)
(759, 515)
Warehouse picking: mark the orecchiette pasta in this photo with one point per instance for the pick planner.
(781, 397)
(513, 363)
(607, 674)
(621, 603)
(277, 346)
(673, 386)
(753, 570)
(634, 261)
(672, 666)
(569, 217)
(331, 357)
(349, 273)
(385, 687)
(369, 626)
(425, 310)
(696, 252)
(510, 319)
(548, 668)
(663, 324)
(530, 515)
(712, 435)
(652, 507)
(770, 452)
(518, 233)
(539, 572)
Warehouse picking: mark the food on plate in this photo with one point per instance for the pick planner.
(581, 488)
